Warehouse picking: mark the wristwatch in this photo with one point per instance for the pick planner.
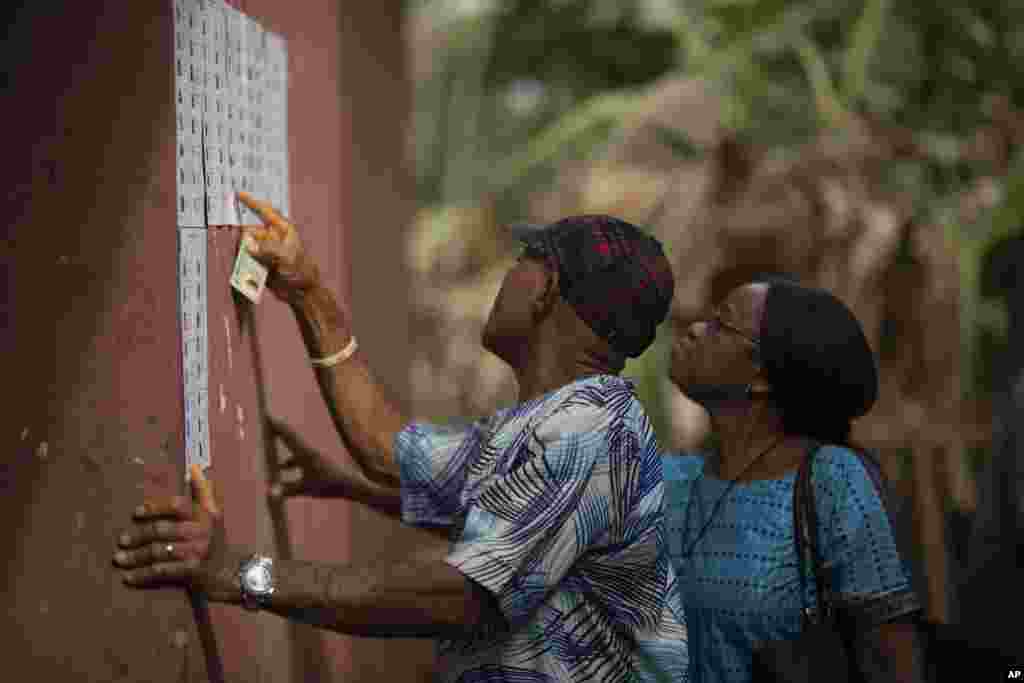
(257, 581)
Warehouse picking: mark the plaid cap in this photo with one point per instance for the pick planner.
(615, 276)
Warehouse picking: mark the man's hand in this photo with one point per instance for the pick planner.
(180, 542)
(305, 471)
(277, 245)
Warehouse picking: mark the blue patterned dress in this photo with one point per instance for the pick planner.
(740, 586)
(555, 507)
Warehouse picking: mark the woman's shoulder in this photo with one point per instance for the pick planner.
(841, 467)
(681, 466)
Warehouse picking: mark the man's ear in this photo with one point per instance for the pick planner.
(545, 302)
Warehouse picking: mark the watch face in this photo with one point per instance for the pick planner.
(257, 579)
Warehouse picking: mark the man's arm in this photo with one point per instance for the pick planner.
(181, 542)
(419, 596)
(366, 420)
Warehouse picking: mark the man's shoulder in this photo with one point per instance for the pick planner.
(591, 406)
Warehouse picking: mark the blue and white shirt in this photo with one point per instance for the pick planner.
(555, 507)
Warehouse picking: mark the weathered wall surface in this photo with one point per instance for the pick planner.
(91, 362)
(92, 367)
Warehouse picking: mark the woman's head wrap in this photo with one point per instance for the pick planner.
(815, 355)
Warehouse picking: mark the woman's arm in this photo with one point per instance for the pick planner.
(891, 652)
(871, 582)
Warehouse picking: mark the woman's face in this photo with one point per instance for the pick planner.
(720, 348)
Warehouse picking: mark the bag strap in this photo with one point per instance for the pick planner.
(805, 522)
(800, 536)
(805, 535)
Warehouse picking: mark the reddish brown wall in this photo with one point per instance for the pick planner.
(91, 358)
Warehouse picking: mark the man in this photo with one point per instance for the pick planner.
(987, 637)
(992, 601)
(553, 565)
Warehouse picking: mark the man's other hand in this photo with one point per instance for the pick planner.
(305, 471)
(179, 542)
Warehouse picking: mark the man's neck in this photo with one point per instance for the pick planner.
(543, 374)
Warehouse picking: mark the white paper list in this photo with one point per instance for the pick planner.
(231, 85)
(231, 97)
(192, 308)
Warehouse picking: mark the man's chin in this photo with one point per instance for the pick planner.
(499, 347)
(678, 380)
(688, 387)
(487, 341)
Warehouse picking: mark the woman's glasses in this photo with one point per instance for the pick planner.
(716, 324)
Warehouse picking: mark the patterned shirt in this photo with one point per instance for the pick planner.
(740, 585)
(555, 507)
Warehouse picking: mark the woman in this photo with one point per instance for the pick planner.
(780, 368)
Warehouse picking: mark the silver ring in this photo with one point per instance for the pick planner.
(170, 550)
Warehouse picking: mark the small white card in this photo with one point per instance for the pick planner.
(249, 276)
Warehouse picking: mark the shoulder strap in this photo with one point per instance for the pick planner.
(800, 540)
(805, 534)
(805, 521)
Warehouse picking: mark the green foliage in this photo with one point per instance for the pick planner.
(976, 457)
(679, 142)
(648, 371)
(583, 46)
(983, 320)
(583, 59)
(961, 51)
(864, 44)
(575, 134)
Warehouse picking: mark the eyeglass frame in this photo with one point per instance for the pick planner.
(715, 322)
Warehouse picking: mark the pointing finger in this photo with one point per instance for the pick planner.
(264, 210)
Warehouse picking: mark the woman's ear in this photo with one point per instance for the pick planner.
(759, 386)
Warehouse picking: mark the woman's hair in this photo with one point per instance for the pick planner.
(817, 360)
